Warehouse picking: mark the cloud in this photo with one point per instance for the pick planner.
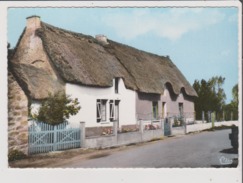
(166, 23)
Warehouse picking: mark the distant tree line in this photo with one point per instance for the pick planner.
(211, 98)
(232, 107)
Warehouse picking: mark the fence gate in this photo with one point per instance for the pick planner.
(167, 127)
(45, 138)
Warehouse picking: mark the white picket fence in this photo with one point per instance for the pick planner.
(45, 138)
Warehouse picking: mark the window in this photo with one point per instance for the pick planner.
(114, 104)
(181, 109)
(116, 84)
(101, 110)
(155, 110)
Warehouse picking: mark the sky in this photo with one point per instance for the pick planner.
(201, 42)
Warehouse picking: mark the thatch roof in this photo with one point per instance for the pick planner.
(150, 72)
(37, 82)
(81, 59)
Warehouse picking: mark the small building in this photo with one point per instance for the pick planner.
(112, 81)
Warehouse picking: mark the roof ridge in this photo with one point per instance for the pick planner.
(77, 34)
(140, 50)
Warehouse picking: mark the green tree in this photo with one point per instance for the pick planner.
(235, 95)
(57, 108)
(218, 94)
(231, 109)
(211, 96)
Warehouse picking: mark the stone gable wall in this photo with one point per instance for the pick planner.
(17, 117)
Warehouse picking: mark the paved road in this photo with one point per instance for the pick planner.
(206, 149)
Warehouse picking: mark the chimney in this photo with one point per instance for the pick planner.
(101, 39)
(33, 22)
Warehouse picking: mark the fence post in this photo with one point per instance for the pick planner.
(171, 122)
(55, 138)
(162, 126)
(141, 126)
(185, 125)
(203, 117)
(115, 128)
(213, 118)
(82, 135)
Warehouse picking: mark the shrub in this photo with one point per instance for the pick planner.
(16, 155)
(177, 123)
(57, 108)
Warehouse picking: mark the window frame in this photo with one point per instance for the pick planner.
(155, 112)
(114, 105)
(181, 109)
(101, 110)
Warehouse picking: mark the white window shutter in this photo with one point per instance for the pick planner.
(103, 110)
(112, 110)
(98, 110)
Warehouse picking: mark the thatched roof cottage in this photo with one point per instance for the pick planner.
(112, 81)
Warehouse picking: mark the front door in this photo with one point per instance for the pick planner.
(181, 111)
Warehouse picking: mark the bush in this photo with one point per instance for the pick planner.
(176, 123)
(16, 155)
(57, 108)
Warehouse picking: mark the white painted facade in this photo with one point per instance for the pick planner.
(129, 105)
(88, 96)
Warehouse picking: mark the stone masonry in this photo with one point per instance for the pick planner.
(17, 116)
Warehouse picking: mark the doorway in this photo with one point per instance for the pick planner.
(164, 110)
(181, 110)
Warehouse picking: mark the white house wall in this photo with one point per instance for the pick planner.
(130, 106)
(87, 97)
